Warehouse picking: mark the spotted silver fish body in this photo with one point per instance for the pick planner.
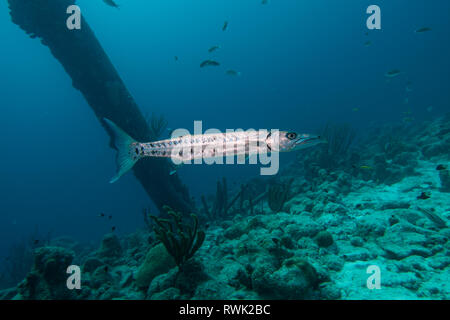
(204, 146)
(184, 149)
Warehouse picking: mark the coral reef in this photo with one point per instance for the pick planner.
(47, 279)
(157, 261)
(316, 242)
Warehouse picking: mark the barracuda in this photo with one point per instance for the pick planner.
(184, 149)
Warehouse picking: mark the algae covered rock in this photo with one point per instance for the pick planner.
(110, 247)
(444, 176)
(47, 279)
(91, 264)
(52, 263)
(295, 279)
(168, 294)
(157, 261)
(324, 239)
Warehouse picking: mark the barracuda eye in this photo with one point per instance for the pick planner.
(291, 135)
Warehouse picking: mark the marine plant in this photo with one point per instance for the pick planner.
(340, 138)
(221, 205)
(277, 195)
(242, 202)
(156, 124)
(147, 220)
(181, 240)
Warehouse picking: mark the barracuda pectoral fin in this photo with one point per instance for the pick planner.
(122, 142)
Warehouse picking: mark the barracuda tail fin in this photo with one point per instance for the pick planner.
(122, 142)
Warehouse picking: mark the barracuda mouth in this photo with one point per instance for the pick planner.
(309, 141)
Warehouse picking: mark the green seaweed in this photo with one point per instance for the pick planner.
(277, 195)
(180, 240)
(221, 205)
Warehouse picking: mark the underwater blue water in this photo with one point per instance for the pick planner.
(302, 64)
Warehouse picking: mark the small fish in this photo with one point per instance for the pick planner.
(424, 196)
(176, 58)
(106, 269)
(111, 3)
(434, 217)
(110, 217)
(207, 63)
(264, 2)
(392, 73)
(113, 229)
(361, 167)
(232, 72)
(441, 167)
(422, 30)
(225, 26)
(36, 241)
(213, 48)
(101, 214)
(205, 146)
(368, 43)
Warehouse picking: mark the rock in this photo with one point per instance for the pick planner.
(8, 294)
(162, 282)
(126, 280)
(101, 277)
(234, 232)
(359, 254)
(434, 149)
(294, 280)
(371, 225)
(168, 294)
(305, 227)
(157, 261)
(357, 241)
(47, 279)
(213, 288)
(110, 247)
(91, 264)
(444, 176)
(324, 239)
